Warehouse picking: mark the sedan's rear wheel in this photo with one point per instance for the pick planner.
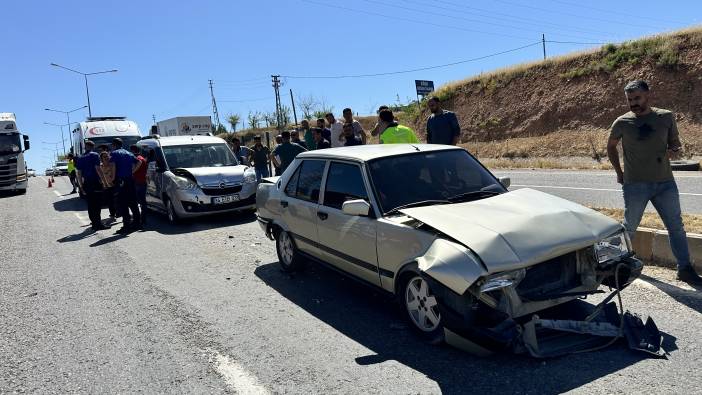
(422, 308)
(288, 257)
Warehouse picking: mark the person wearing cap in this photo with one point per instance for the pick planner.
(393, 133)
(286, 151)
(124, 163)
(88, 179)
(258, 155)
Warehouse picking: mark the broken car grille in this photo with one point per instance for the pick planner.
(548, 279)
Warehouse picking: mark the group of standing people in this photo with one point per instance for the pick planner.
(115, 177)
(330, 132)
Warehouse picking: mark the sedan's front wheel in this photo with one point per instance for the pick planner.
(288, 256)
(422, 308)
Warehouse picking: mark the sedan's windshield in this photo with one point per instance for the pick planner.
(10, 143)
(439, 176)
(199, 155)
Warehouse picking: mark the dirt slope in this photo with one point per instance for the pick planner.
(564, 106)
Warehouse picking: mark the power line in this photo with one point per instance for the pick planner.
(420, 22)
(428, 12)
(485, 13)
(417, 69)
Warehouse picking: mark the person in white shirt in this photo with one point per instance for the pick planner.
(337, 130)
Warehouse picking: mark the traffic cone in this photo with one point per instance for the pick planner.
(49, 183)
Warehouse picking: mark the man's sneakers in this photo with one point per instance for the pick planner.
(688, 275)
(124, 230)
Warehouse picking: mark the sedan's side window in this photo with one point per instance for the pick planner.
(306, 181)
(344, 182)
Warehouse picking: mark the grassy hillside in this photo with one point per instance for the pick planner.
(564, 106)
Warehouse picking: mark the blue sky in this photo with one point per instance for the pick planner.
(166, 51)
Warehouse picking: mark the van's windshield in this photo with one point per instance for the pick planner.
(10, 143)
(199, 155)
(127, 141)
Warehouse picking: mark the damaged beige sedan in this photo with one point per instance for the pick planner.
(471, 263)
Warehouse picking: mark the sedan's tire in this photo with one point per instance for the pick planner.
(288, 256)
(421, 308)
(684, 165)
(171, 213)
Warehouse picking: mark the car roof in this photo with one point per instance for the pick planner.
(373, 151)
(185, 140)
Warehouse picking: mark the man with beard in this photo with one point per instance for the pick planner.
(650, 138)
(442, 125)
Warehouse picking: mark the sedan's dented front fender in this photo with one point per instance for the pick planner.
(451, 264)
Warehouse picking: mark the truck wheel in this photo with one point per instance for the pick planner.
(21, 191)
(288, 256)
(421, 308)
(171, 213)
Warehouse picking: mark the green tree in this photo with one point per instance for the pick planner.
(270, 119)
(254, 119)
(234, 120)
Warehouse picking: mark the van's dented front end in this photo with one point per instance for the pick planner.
(502, 281)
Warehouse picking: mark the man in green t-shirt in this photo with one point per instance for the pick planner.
(649, 138)
(286, 151)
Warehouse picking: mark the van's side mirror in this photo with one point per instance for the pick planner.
(505, 181)
(26, 141)
(356, 207)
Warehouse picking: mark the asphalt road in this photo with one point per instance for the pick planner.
(599, 188)
(203, 308)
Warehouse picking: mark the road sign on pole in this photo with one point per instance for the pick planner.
(424, 87)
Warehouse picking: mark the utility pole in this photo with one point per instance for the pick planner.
(543, 44)
(153, 116)
(215, 113)
(276, 88)
(293, 105)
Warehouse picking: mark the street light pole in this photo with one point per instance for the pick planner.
(68, 119)
(85, 76)
(63, 139)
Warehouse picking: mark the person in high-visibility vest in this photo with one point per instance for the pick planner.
(393, 133)
(72, 172)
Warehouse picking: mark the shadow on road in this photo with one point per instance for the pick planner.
(7, 194)
(157, 222)
(108, 239)
(73, 204)
(78, 236)
(690, 298)
(371, 319)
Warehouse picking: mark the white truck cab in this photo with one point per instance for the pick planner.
(13, 144)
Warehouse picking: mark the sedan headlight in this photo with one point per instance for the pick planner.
(503, 280)
(612, 247)
(184, 183)
(249, 176)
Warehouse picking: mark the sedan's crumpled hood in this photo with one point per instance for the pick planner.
(519, 228)
(213, 176)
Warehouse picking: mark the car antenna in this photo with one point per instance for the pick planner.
(415, 147)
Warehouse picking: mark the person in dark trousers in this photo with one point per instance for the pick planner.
(650, 138)
(326, 132)
(276, 167)
(442, 125)
(350, 138)
(124, 163)
(107, 177)
(259, 157)
(139, 175)
(295, 138)
(88, 180)
(287, 151)
(319, 141)
(72, 172)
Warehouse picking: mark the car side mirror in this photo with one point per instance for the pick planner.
(26, 141)
(356, 207)
(505, 181)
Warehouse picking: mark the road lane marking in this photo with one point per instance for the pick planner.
(241, 381)
(580, 173)
(590, 189)
(82, 218)
(57, 193)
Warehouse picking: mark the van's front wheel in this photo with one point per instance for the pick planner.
(171, 213)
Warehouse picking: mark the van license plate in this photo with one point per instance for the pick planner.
(225, 199)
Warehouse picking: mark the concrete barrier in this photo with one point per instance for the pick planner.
(652, 246)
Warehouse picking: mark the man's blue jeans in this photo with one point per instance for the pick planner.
(666, 200)
(261, 172)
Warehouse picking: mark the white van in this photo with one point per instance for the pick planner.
(101, 131)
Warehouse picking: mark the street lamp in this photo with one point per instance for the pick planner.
(68, 118)
(62, 138)
(85, 75)
(55, 148)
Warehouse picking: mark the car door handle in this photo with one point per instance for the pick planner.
(284, 203)
(322, 215)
